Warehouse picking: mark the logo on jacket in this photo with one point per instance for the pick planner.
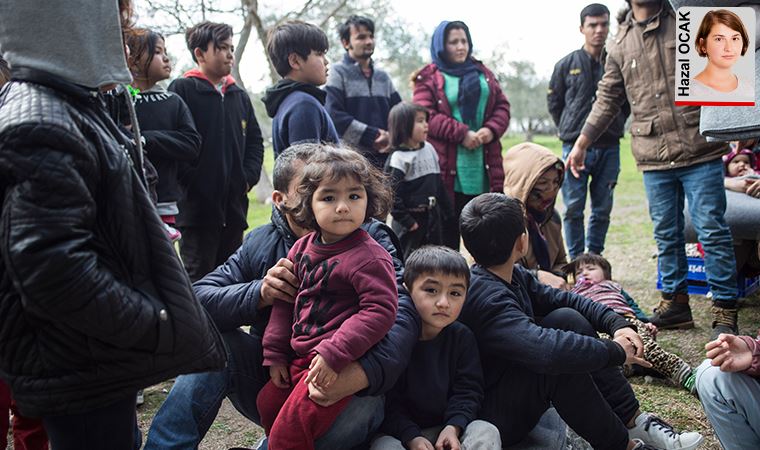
(244, 124)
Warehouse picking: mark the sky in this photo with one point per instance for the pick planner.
(540, 31)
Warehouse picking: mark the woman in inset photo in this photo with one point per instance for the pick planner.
(723, 40)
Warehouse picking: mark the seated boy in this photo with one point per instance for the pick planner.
(436, 401)
(593, 280)
(296, 103)
(539, 344)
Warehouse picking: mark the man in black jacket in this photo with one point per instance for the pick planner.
(240, 293)
(94, 302)
(212, 214)
(571, 93)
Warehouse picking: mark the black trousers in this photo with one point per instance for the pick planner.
(204, 248)
(451, 236)
(112, 427)
(595, 405)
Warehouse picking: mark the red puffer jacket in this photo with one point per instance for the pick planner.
(445, 132)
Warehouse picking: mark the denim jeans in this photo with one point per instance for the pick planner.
(702, 186)
(603, 167)
(194, 401)
(732, 404)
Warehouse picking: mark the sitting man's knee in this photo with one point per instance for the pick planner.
(485, 431)
(711, 380)
(568, 319)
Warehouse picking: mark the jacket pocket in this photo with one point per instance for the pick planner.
(691, 117)
(641, 128)
(644, 143)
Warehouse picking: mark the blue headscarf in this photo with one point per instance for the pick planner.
(468, 72)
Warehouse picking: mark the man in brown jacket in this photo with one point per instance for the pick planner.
(676, 160)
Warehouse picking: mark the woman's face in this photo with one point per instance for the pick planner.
(723, 46)
(457, 46)
(545, 190)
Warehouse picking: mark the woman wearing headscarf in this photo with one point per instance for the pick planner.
(468, 115)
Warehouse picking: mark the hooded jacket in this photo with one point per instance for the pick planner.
(94, 301)
(523, 165)
(298, 115)
(231, 154)
(445, 132)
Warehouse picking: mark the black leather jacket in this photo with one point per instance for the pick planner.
(94, 302)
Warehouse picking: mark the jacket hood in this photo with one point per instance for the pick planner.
(79, 41)
(277, 93)
(523, 164)
(228, 81)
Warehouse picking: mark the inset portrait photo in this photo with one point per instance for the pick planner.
(715, 56)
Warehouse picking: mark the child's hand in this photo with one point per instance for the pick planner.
(448, 439)
(280, 376)
(729, 352)
(652, 328)
(420, 443)
(320, 373)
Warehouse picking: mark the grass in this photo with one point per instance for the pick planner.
(630, 249)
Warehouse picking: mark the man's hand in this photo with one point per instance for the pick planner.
(280, 283)
(420, 443)
(351, 380)
(752, 188)
(448, 439)
(633, 346)
(576, 159)
(320, 373)
(471, 140)
(280, 376)
(414, 227)
(730, 353)
(485, 135)
(552, 280)
(382, 142)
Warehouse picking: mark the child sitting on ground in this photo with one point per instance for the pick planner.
(593, 280)
(435, 402)
(421, 203)
(346, 302)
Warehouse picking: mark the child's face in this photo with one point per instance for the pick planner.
(739, 166)
(340, 207)
(313, 69)
(545, 191)
(590, 272)
(217, 61)
(160, 67)
(419, 130)
(439, 299)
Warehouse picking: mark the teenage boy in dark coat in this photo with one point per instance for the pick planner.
(212, 214)
(240, 293)
(538, 345)
(296, 103)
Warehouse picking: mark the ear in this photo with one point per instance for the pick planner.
(277, 198)
(295, 61)
(521, 245)
(199, 55)
(346, 44)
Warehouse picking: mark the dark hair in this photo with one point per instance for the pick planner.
(200, 35)
(5, 72)
(434, 259)
(284, 169)
(344, 30)
(589, 258)
(728, 19)
(331, 162)
(593, 10)
(401, 122)
(294, 36)
(490, 225)
(141, 42)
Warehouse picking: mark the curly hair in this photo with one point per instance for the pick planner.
(332, 163)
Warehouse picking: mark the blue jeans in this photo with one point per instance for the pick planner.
(603, 167)
(702, 186)
(194, 401)
(732, 404)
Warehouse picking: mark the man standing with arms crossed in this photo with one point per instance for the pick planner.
(678, 163)
(571, 94)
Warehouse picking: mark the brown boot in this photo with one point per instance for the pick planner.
(673, 312)
(724, 321)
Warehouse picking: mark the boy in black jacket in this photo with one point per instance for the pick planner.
(539, 345)
(212, 214)
(436, 400)
(296, 103)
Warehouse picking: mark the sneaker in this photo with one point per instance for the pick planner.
(140, 398)
(724, 321)
(659, 434)
(640, 445)
(671, 315)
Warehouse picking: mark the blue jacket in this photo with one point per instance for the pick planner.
(231, 295)
(503, 317)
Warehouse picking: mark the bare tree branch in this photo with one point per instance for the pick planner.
(335, 11)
